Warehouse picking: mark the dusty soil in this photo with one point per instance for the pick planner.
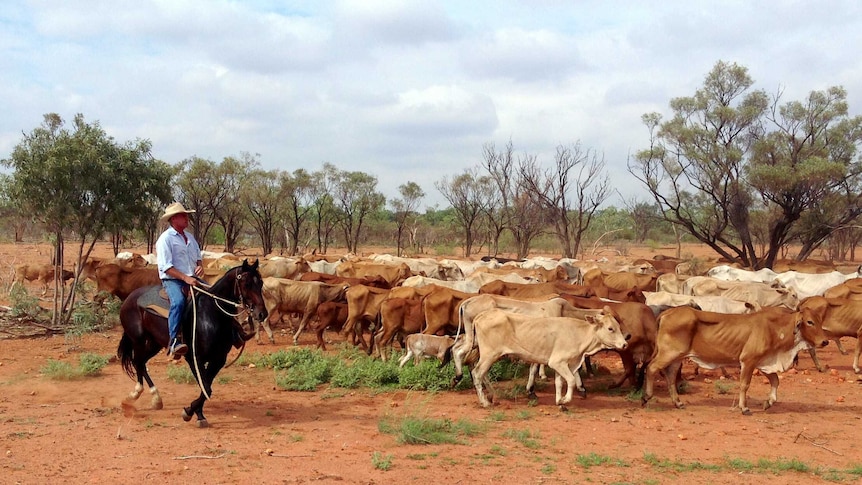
(79, 431)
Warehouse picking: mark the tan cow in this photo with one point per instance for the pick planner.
(121, 281)
(767, 340)
(291, 269)
(561, 343)
(392, 273)
(283, 297)
(662, 300)
(419, 345)
(850, 289)
(840, 318)
(535, 290)
(670, 282)
(763, 294)
(43, 273)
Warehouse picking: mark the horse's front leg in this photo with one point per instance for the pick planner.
(197, 408)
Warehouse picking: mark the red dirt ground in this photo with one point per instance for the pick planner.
(79, 431)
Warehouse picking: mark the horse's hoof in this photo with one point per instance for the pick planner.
(746, 412)
(203, 423)
(157, 403)
(187, 415)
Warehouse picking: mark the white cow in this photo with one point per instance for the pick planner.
(562, 343)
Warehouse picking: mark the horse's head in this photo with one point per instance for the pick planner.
(249, 285)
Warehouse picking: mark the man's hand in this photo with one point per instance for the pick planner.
(191, 281)
(199, 270)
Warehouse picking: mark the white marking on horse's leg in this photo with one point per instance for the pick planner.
(134, 395)
(156, 400)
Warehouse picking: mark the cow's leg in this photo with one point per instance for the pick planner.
(459, 352)
(406, 357)
(266, 327)
(671, 372)
(745, 373)
(531, 382)
(813, 354)
(856, 353)
(841, 347)
(773, 391)
(302, 323)
(630, 369)
(542, 373)
(660, 364)
(479, 373)
(563, 371)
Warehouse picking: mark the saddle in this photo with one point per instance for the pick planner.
(155, 301)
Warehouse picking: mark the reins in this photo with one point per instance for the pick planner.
(216, 300)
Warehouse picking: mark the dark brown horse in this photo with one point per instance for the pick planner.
(208, 325)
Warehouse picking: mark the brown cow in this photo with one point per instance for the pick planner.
(363, 304)
(767, 340)
(283, 296)
(43, 273)
(330, 315)
(840, 318)
(441, 309)
(398, 316)
(120, 281)
(636, 319)
(594, 278)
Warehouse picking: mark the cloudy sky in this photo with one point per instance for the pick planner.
(403, 90)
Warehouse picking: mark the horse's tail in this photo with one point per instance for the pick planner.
(124, 353)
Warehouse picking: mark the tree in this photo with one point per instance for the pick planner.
(232, 178)
(355, 197)
(716, 162)
(468, 195)
(79, 182)
(298, 194)
(262, 200)
(323, 211)
(405, 208)
(552, 190)
(199, 187)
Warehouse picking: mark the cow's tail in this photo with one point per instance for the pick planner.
(124, 353)
(447, 356)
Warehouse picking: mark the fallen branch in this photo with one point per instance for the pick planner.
(309, 455)
(199, 457)
(819, 445)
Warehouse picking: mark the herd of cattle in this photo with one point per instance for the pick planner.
(653, 313)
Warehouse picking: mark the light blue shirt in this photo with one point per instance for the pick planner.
(173, 252)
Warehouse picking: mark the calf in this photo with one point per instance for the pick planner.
(419, 345)
(840, 318)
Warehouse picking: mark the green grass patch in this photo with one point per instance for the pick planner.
(679, 466)
(527, 438)
(425, 431)
(592, 459)
(89, 365)
(180, 374)
(381, 462)
(723, 386)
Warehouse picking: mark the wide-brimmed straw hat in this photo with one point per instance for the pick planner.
(174, 209)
